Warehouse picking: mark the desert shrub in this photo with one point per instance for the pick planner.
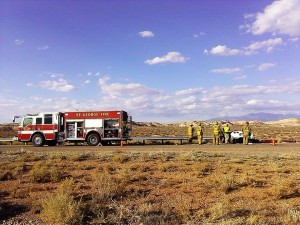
(81, 157)
(56, 174)
(202, 169)
(104, 187)
(60, 207)
(228, 183)
(120, 158)
(42, 173)
(6, 175)
(196, 156)
(285, 188)
(253, 219)
(29, 157)
(292, 216)
(7, 131)
(219, 210)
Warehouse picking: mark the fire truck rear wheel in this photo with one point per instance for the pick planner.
(93, 139)
(38, 140)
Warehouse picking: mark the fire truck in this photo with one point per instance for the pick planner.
(91, 127)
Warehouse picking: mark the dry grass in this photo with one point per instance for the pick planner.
(159, 187)
(60, 207)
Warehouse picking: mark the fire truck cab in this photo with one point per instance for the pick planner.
(92, 127)
(41, 128)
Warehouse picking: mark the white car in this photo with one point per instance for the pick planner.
(237, 136)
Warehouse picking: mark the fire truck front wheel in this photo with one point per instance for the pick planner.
(38, 140)
(93, 139)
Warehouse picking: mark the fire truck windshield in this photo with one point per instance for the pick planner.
(27, 121)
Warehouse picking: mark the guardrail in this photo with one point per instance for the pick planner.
(10, 140)
(165, 138)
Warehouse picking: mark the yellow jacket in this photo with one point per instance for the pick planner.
(190, 131)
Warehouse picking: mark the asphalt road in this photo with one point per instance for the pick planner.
(235, 149)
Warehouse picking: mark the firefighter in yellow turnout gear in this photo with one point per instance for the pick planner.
(246, 133)
(216, 133)
(200, 133)
(191, 133)
(226, 131)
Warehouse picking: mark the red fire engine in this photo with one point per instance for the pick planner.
(94, 127)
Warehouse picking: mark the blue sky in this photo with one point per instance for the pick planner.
(162, 61)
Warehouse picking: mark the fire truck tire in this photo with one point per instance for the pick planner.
(93, 139)
(38, 140)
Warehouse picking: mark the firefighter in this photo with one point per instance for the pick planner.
(216, 133)
(246, 133)
(200, 133)
(226, 131)
(190, 133)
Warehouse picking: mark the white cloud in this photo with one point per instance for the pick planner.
(172, 57)
(146, 103)
(241, 77)
(253, 102)
(55, 75)
(238, 99)
(60, 85)
(191, 102)
(118, 89)
(226, 70)
(45, 47)
(198, 35)
(294, 39)
(190, 91)
(282, 17)
(267, 45)
(265, 66)
(222, 50)
(87, 81)
(29, 85)
(254, 48)
(146, 33)
(19, 42)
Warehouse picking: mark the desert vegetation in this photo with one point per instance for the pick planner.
(153, 184)
(186, 185)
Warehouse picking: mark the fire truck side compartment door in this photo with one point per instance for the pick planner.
(93, 123)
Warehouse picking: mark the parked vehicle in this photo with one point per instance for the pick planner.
(93, 127)
(237, 136)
